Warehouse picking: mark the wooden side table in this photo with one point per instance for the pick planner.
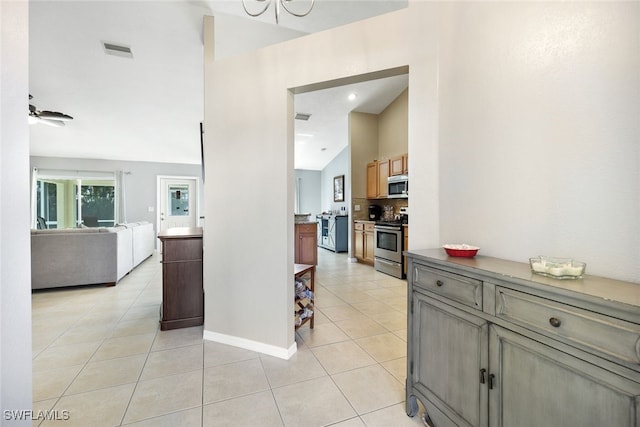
(182, 291)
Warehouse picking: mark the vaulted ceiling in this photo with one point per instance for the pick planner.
(149, 107)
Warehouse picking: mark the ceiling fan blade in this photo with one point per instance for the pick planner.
(54, 115)
(51, 122)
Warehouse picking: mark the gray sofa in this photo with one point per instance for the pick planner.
(82, 256)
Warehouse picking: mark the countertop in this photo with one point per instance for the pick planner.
(180, 232)
(589, 288)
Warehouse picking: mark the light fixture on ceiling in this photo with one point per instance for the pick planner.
(50, 118)
(278, 3)
(352, 96)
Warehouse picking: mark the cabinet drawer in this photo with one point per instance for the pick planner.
(307, 228)
(459, 288)
(368, 227)
(181, 250)
(605, 334)
(358, 226)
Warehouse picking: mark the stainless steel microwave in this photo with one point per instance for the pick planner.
(398, 187)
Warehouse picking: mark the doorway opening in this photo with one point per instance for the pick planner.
(331, 143)
(177, 202)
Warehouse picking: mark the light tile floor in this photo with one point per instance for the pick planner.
(98, 353)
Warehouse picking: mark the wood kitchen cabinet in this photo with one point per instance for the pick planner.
(306, 243)
(491, 344)
(182, 291)
(383, 174)
(378, 172)
(363, 241)
(372, 180)
(398, 165)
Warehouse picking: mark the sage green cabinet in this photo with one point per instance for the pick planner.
(491, 345)
(537, 385)
(450, 349)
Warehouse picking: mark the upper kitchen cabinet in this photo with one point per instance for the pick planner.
(398, 165)
(383, 174)
(377, 174)
(372, 180)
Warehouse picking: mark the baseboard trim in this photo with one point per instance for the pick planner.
(271, 350)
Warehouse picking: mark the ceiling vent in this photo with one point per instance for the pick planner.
(302, 116)
(117, 50)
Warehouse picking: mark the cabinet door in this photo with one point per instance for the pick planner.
(372, 180)
(368, 246)
(448, 350)
(306, 244)
(536, 385)
(396, 165)
(405, 164)
(308, 248)
(383, 174)
(358, 244)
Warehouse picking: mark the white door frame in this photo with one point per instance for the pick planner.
(159, 179)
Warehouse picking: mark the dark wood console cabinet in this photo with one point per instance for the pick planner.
(182, 292)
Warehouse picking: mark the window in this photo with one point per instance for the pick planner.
(97, 204)
(74, 199)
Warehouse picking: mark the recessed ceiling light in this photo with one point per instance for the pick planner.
(323, 149)
(352, 96)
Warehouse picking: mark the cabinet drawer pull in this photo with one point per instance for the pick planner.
(491, 379)
(482, 372)
(439, 283)
(555, 322)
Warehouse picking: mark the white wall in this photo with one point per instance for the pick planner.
(310, 183)
(249, 264)
(540, 135)
(15, 265)
(507, 100)
(340, 165)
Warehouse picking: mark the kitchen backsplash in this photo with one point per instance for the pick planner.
(363, 213)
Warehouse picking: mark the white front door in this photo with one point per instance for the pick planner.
(178, 203)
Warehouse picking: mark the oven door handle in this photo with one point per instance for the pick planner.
(389, 228)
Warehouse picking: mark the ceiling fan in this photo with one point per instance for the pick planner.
(51, 118)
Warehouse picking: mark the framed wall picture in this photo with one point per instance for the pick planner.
(338, 188)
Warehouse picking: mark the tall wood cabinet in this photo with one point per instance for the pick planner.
(182, 292)
(372, 180)
(306, 243)
(383, 174)
(491, 344)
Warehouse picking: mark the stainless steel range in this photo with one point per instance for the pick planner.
(388, 240)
